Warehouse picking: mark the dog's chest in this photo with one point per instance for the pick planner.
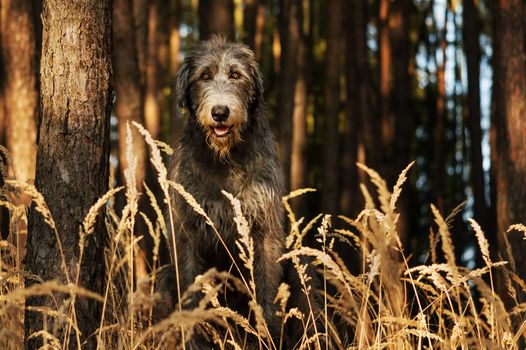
(207, 188)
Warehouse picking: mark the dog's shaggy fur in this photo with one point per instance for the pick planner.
(235, 153)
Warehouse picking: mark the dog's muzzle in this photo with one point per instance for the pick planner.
(220, 115)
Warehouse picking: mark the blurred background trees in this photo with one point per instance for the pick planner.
(382, 82)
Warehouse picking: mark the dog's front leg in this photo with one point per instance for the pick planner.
(190, 265)
(267, 275)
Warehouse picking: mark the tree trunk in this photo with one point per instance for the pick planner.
(334, 56)
(510, 99)
(403, 126)
(153, 88)
(73, 156)
(290, 35)
(140, 21)
(163, 70)
(253, 23)
(471, 32)
(176, 126)
(357, 112)
(20, 90)
(216, 17)
(385, 66)
(4, 212)
(299, 126)
(129, 102)
(440, 127)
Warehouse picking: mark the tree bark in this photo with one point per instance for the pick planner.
(73, 156)
(253, 23)
(4, 213)
(357, 134)
(403, 126)
(129, 104)
(290, 36)
(216, 17)
(334, 57)
(20, 89)
(440, 127)
(385, 82)
(299, 125)
(510, 99)
(140, 21)
(153, 87)
(471, 30)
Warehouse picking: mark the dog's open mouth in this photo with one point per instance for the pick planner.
(221, 130)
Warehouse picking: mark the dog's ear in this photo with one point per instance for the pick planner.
(257, 82)
(182, 85)
(248, 56)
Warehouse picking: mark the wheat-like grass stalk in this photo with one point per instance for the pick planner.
(190, 200)
(93, 212)
(445, 236)
(518, 227)
(156, 236)
(164, 147)
(46, 288)
(47, 337)
(285, 200)
(86, 230)
(157, 162)
(397, 189)
(42, 208)
(126, 224)
(158, 212)
(377, 304)
(244, 243)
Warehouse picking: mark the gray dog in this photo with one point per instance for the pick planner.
(227, 145)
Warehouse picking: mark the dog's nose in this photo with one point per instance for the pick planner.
(220, 113)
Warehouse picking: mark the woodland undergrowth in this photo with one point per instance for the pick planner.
(390, 303)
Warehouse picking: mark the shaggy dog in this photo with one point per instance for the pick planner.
(227, 145)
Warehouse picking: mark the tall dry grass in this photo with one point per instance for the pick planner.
(390, 304)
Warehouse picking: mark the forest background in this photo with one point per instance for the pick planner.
(379, 82)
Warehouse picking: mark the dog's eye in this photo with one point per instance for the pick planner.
(205, 76)
(235, 75)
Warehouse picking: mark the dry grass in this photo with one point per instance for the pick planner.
(389, 305)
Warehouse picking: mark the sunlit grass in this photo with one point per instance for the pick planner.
(390, 304)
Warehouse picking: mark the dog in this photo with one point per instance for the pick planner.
(227, 145)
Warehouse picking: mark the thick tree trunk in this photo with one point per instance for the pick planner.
(334, 56)
(510, 99)
(129, 103)
(153, 87)
(290, 35)
(385, 81)
(299, 125)
(403, 126)
(2, 77)
(357, 134)
(73, 155)
(20, 89)
(471, 30)
(439, 167)
(4, 213)
(216, 17)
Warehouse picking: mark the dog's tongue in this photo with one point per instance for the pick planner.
(220, 130)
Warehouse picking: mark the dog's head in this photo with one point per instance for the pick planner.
(220, 85)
